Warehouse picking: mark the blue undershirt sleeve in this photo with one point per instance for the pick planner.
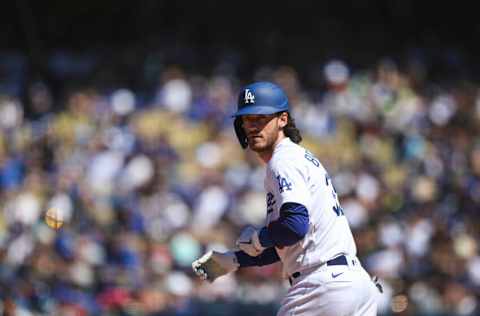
(288, 229)
(268, 256)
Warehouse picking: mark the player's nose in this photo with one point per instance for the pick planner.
(252, 130)
(251, 125)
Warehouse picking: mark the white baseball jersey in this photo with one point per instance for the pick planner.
(294, 175)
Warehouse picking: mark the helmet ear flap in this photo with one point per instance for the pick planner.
(242, 137)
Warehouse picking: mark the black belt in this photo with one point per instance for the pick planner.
(338, 261)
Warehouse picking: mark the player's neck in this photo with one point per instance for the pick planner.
(266, 156)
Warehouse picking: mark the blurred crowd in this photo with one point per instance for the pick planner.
(147, 181)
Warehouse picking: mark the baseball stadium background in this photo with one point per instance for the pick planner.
(117, 113)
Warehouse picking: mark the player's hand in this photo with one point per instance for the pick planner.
(249, 242)
(214, 264)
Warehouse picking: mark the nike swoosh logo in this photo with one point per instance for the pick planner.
(336, 275)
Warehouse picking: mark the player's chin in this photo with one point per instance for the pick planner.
(256, 144)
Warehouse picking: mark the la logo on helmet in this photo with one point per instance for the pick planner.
(249, 97)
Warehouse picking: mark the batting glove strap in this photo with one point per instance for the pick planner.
(256, 242)
(249, 242)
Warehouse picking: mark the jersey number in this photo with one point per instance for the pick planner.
(310, 157)
(336, 208)
(270, 202)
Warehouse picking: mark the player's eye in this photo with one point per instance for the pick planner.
(257, 119)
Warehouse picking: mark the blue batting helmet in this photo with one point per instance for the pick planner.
(258, 98)
(261, 98)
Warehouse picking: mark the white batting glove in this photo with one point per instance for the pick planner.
(249, 242)
(214, 264)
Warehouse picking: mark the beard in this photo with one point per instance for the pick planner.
(260, 144)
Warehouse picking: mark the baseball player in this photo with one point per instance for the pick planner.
(305, 227)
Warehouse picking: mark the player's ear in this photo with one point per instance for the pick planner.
(283, 120)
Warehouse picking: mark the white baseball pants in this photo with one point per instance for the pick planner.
(339, 290)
